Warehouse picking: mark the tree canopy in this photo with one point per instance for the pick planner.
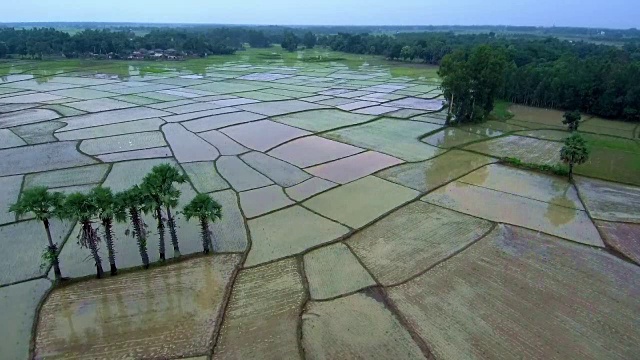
(540, 71)
(572, 119)
(290, 41)
(472, 81)
(203, 207)
(38, 200)
(309, 40)
(574, 152)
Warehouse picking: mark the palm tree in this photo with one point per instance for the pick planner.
(205, 209)
(81, 207)
(159, 183)
(44, 205)
(108, 209)
(132, 200)
(153, 204)
(574, 152)
(170, 201)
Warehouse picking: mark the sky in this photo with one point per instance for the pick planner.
(584, 13)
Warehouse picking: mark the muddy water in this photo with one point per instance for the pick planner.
(430, 174)
(537, 186)
(357, 326)
(526, 149)
(499, 206)
(262, 316)
(521, 294)
(452, 137)
(166, 312)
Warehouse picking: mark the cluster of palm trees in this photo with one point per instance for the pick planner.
(156, 195)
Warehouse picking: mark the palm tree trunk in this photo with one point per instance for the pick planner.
(204, 227)
(91, 238)
(570, 171)
(173, 233)
(160, 232)
(108, 235)
(450, 105)
(53, 249)
(140, 236)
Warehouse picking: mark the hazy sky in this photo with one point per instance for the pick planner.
(592, 13)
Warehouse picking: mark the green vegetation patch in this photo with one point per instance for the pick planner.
(556, 169)
(321, 59)
(612, 164)
(501, 111)
(610, 142)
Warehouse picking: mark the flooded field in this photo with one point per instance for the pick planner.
(344, 196)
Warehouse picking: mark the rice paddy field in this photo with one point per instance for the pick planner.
(355, 223)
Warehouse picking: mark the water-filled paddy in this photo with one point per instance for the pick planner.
(341, 196)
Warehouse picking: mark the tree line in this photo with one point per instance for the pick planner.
(120, 43)
(41, 42)
(156, 195)
(546, 72)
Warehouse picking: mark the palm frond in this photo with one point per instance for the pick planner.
(39, 201)
(203, 206)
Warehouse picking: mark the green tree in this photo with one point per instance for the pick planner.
(82, 208)
(44, 205)
(4, 49)
(205, 209)
(153, 205)
(159, 184)
(407, 53)
(133, 200)
(572, 119)
(108, 210)
(472, 80)
(309, 40)
(257, 39)
(290, 41)
(574, 152)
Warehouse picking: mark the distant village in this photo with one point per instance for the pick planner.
(144, 54)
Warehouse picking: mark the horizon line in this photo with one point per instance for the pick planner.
(302, 25)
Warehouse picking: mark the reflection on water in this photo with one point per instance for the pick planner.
(560, 210)
(451, 137)
(451, 165)
(136, 313)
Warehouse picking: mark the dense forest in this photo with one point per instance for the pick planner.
(39, 42)
(598, 79)
(540, 71)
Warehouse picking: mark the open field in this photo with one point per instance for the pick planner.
(355, 224)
